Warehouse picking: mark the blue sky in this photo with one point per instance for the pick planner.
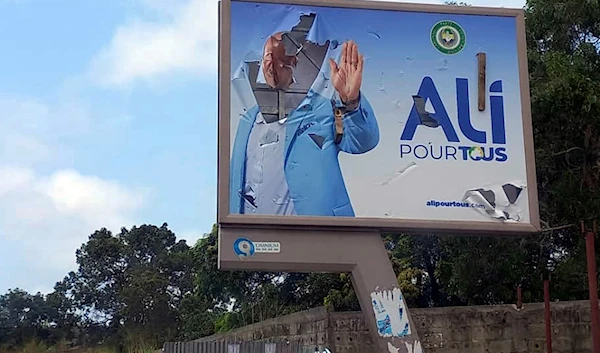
(108, 119)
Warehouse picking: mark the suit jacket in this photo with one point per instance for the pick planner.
(311, 164)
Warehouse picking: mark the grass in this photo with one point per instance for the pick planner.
(41, 347)
(139, 343)
(133, 342)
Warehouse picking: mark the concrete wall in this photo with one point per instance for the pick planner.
(311, 327)
(476, 329)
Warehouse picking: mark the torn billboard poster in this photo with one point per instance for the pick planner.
(347, 112)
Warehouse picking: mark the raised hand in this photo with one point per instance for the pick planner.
(347, 76)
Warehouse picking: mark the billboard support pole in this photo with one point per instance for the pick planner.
(592, 283)
(361, 253)
(371, 274)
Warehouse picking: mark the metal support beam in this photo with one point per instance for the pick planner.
(592, 283)
(547, 316)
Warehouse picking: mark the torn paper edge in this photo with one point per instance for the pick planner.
(503, 211)
(390, 312)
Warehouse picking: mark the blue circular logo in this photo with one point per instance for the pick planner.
(243, 247)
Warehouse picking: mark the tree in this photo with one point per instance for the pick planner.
(24, 317)
(564, 63)
(564, 67)
(133, 282)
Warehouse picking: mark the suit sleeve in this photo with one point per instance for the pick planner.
(361, 131)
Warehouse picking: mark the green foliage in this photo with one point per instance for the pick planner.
(133, 282)
(564, 73)
(25, 317)
(228, 321)
(342, 296)
(198, 317)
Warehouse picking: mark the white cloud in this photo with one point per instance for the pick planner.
(32, 132)
(141, 49)
(48, 211)
(182, 40)
(96, 201)
(48, 217)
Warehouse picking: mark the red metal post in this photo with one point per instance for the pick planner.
(592, 285)
(547, 316)
(519, 297)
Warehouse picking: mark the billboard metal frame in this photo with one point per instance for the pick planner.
(372, 223)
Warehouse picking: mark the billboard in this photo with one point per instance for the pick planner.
(376, 115)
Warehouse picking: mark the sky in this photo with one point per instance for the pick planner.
(108, 118)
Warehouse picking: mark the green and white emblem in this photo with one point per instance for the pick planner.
(448, 37)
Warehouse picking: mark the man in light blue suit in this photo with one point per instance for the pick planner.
(288, 164)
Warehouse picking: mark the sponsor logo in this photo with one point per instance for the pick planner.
(448, 37)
